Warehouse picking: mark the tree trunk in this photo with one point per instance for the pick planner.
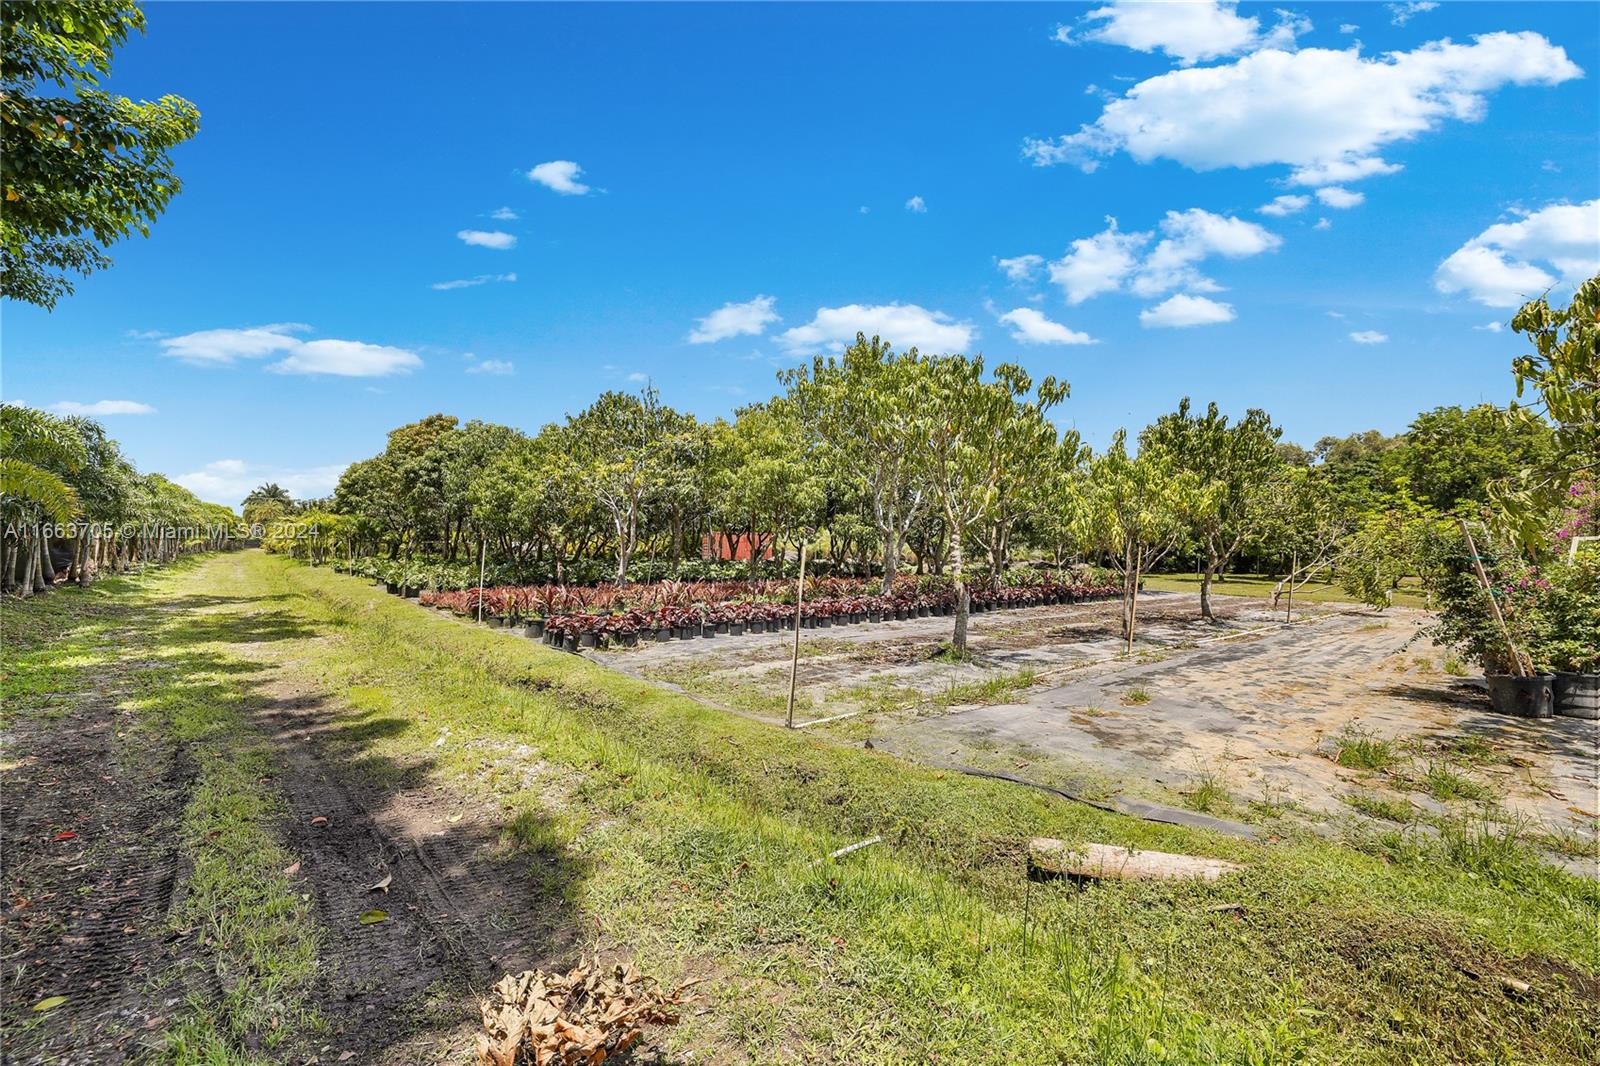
(1205, 590)
(958, 579)
(891, 558)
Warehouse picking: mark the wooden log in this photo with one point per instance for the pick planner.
(1107, 862)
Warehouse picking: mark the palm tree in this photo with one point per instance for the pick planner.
(271, 492)
(37, 452)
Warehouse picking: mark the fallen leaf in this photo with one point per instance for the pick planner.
(49, 1003)
(346, 1056)
(454, 818)
(292, 869)
(374, 916)
(382, 886)
(66, 834)
(319, 820)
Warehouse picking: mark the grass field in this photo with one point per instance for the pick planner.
(1263, 584)
(693, 839)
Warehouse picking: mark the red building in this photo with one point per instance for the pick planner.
(736, 547)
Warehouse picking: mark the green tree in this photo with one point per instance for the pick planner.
(863, 410)
(764, 484)
(84, 168)
(1135, 509)
(971, 431)
(1452, 455)
(1234, 465)
(618, 442)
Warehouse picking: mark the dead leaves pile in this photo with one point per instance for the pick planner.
(580, 1018)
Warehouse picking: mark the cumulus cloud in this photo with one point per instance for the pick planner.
(1323, 223)
(1022, 267)
(496, 239)
(1501, 267)
(342, 358)
(229, 481)
(1285, 205)
(1098, 264)
(748, 319)
(561, 175)
(1491, 327)
(1327, 114)
(103, 407)
(1189, 32)
(492, 366)
(1369, 336)
(902, 325)
(1340, 198)
(1028, 326)
(467, 283)
(1112, 260)
(1184, 310)
(504, 214)
(916, 205)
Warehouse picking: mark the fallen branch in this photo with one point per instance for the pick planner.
(842, 852)
(1107, 862)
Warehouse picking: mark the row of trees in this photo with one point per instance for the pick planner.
(893, 459)
(74, 506)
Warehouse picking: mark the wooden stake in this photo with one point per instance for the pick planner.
(794, 662)
(483, 562)
(1494, 604)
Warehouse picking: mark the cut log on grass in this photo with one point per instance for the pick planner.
(1107, 862)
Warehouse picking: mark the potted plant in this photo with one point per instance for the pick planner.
(1495, 627)
(1570, 637)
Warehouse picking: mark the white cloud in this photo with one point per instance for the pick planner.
(748, 319)
(504, 214)
(1500, 266)
(1182, 310)
(492, 366)
(1325, 113)
(638, 377)
(1112, 259)
(1550, 166)
(1285, 205)
(1336, 197)
(916, 205)
(1021, 268)
(1323, 223)
(229, 481)
(467, 283)
(1402, 13)
(347, 359)
(1189, 32)
(1369, 336)
(1491, 327)
(225, 347)
(144, 334)
(1028, 326)
(1348, 27)
(902, 325)
(1098, 264)
(1334, 314)
(103, 407)
(560, 175)
(494, 238)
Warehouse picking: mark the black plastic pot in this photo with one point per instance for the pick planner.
(570, 642)
(534, 629)
(630, 640)
(874, 616)
(495, 621)
(736, 629)
(1577, 695)
(722, 627)
(588, 640)
(1525, 697)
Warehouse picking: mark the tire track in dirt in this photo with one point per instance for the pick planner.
(461, 910)
(91, 863)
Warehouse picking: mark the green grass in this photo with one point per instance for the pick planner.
(699, 832)
(1381, 807)
(1261, 585)
(1444, 783)
(1361, 751)
(1136, 695)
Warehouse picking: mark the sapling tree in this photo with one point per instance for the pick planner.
(972, 431)
(863, 410)
(1135, 509)
(1235, 464)
(618, 441)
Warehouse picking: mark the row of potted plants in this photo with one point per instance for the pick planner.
(569, 617)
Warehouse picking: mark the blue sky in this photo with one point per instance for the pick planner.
(943, 172)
